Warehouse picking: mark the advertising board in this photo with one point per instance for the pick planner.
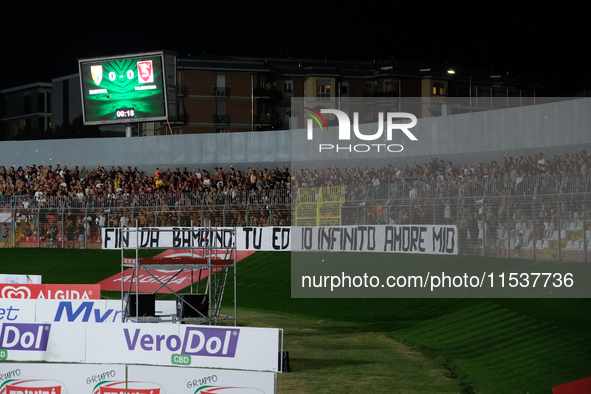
(204, 381)
(245, 348)
(58, 378)
(71, 311)
(198, 346)
(48, 292)
(21, 378)
(56, 342)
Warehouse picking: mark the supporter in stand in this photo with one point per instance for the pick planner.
(432, 177)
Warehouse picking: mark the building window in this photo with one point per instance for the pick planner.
(27, 103)
(66, 101)
(220, 107)
(345, 88)
(41, 102)
(288, 86)
(41, 123)
(369, 114)
(438, 89)
(323, 89)
(388, 86)
(220, 80)
(220, 85)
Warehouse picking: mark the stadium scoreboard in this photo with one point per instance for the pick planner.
(129, 88)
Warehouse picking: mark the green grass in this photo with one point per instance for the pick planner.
(382, 345)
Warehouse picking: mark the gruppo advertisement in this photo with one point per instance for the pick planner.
(25, 378)
(205, 381)
(116, 379)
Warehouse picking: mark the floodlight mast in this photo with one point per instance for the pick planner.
(213, 241)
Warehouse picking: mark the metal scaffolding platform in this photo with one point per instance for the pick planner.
(211, 259)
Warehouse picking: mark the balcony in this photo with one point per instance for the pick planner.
(220, 92)
(268, 94)
(181, 118)
(219, 120)
(182, 90)
(381, 98)
(268, 120)
(369, 93)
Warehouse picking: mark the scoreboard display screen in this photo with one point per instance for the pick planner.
(123, 89)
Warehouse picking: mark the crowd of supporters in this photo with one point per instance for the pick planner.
(164, 187)
(120, 197)
(202, 187)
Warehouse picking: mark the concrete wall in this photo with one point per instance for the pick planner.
(191, 151)
(547, 125)
(565, 124)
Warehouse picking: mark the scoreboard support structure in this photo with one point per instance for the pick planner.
(210, 260)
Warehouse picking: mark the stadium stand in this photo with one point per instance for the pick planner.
(546, 199)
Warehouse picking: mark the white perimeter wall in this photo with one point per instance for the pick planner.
(541, 126)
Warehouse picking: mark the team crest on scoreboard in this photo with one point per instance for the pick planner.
(144, 71)
(97, 74)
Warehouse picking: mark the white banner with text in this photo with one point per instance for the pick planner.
(246, 238)
(427, 239)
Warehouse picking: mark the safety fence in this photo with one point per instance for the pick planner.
(543, 227)
(465, 187)
(537, 218)
(81, 228)
(531, 227)
(399, 188)
(154, 200)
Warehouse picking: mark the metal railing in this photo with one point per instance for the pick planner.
(81, 227)
(401, 188)
(550, 214)
(550, 227)
(213, 196)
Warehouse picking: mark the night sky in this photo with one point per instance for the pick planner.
(547, 42)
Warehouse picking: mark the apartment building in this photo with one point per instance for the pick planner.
(220, 94)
